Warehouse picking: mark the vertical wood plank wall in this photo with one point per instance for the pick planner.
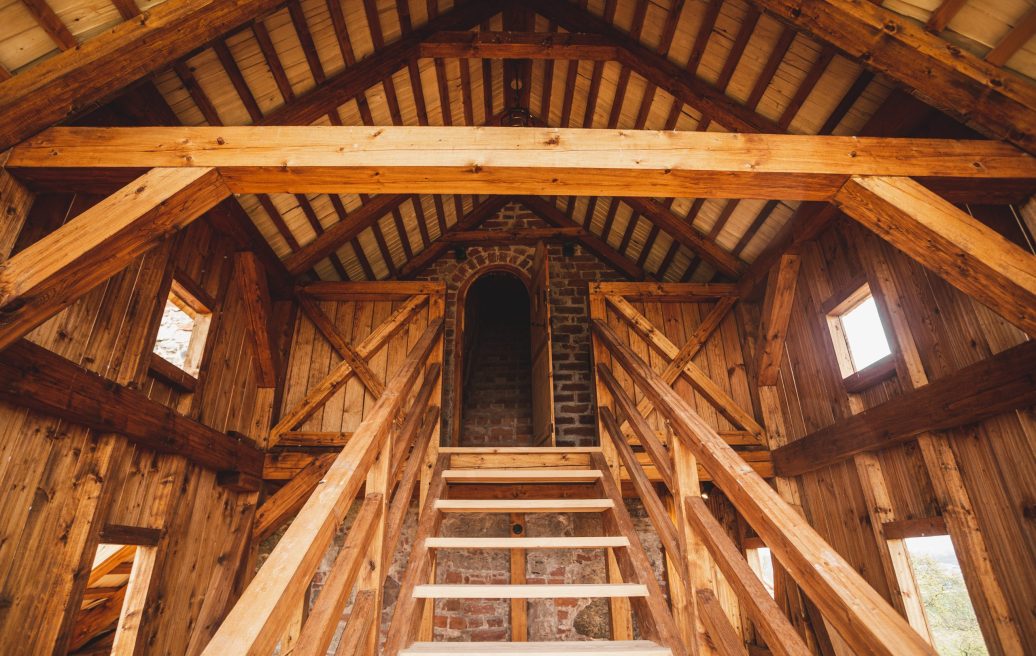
(997, 457)
(61, 481)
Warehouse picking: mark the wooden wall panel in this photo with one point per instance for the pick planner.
(312, 358)
(61, 482)
(997, 457)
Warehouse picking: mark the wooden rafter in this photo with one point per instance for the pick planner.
(549, 212)
(659, 71)
(79, 78)
(53, 272)
(963, 251)
(520, 45)
(995, 101)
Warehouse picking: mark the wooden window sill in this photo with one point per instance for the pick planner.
(169, 373)
(871, 375)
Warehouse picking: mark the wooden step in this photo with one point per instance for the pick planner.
(549, 475)
(523, 505)
(528, 543)
(530, 591)
(611, 648)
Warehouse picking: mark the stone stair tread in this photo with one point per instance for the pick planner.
(613, 648)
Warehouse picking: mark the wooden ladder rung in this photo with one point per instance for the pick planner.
(544, 475)
(523, 505)
(603, 542)
(530, 591)
(612, 648)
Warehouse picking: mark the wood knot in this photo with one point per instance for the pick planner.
(891, 27)
(554, 140)
(221, 141)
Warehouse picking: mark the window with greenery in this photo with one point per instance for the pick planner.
(951, 617)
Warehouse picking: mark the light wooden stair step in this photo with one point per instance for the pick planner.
(523, 505)
(545, 475)
(602, 542)
(612, 648)
(530, 591)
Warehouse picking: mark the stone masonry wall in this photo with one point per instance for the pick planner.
(570, 276)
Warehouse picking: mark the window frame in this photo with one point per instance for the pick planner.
(194, 302)
(857, 379)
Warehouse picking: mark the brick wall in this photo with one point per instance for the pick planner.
(570, 276)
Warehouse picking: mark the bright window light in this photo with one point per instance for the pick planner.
(174, 334)
(951, 616)
(761, 561)
(864, 334)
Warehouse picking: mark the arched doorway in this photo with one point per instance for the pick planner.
(503, 364)
(496, 386)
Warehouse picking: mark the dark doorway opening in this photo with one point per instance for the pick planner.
(496, 393)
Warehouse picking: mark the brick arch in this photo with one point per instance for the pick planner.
(505, 262)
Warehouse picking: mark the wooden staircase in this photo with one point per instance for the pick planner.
(591, 488)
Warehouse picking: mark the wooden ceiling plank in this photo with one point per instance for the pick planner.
(404, 239)
(682, 231)
(51, 23)
(80, 78)
(762, 83)
(1015, 39)
(280, 77)
(943, 14)
(701, 40)
(994, 101)
(483, 211)
(737, 49)
(550, 213)
(361, 257)
(860, 85)
(444, 92)
(386, 254)
(659, 71)
(422, 220)
(309, 48)
(198, 95)
(809, 83)
(278, 221)
(377, 67)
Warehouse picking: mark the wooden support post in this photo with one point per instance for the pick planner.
(519, 607)
(621, 620)
(55, 271)
(250, 275)
(780, 298)
(436, 311)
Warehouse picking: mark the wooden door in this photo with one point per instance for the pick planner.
(542, 359)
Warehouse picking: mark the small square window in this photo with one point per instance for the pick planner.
(760, 559)
(182, 331)
(940, 582)
(859, 336)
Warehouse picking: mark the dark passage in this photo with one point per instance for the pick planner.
(497, 396)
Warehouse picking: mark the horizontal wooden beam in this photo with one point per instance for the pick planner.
(997, 102)
(342, 232)
(524, 236)
(35, 378)
(666, 292)
(969, 255)
(682, 231)
(55, 271)
(520, 45)
(483, 211)
(488, 161)
(82, 77)
(1002, 383)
